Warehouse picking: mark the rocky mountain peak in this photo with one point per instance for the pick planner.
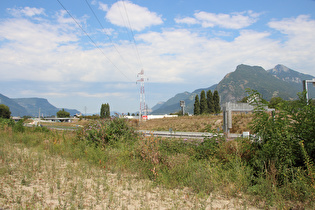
(279, 69)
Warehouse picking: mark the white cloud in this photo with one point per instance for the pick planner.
(230, 21)
(302, 27)
(186, 20)
(124, 12)
(26, 11)
(103, 7)
(98, 95)
(50, 50)
(299, 45)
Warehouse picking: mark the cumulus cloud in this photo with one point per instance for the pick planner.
(124, 12)
(103, 7)
(50, 50)
(26, 11)
(230, 21)
(186, 20)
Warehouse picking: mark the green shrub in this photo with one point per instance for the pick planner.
(19, 127)
(6, 122)
(103, 132)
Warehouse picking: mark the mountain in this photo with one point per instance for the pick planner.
(32, 107)
(158, 105)
(15, 108)
(172, 105)
(280, 81)
(288, 75)
(233, 86)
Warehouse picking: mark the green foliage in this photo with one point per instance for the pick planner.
(275, 102)
(103, 132)
(210, 102)
(216, 102)
(5, 111)
(6, 123)
(207, 148)
(105, 111)
(19, 127)
(280, 134)
(9, 123)
(197, 106)
(203, 103)
(276, 170)
(63, 114)
(208, 105)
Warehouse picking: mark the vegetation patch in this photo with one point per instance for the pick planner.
(106, 164)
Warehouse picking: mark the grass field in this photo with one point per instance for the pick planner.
(201, 123)
(107, 166)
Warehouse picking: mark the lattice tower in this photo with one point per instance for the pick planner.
(143, 110)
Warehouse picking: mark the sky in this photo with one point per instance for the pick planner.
(80, 54)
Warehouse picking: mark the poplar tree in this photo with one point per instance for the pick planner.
(210, 102)
(196, 106)
(203, 103)
(105, 111)
(216, 102)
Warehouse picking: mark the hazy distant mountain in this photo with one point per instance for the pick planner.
(158, 105)
(32, 107)
(279, 81)
(36, 106)
(15, 108)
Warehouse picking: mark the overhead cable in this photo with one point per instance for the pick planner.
(133, 37)
(92, 40)
(106, 33)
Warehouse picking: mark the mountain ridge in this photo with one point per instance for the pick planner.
(32, 107)
(279, 81)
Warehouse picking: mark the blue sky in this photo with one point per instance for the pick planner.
(181, 45)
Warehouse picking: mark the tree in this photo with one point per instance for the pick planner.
(203, 103)
(210, 102)
(197, 106)
(5, 111)
(216, 102)
(286, 137)
(105, 111)
(244, 100)
(63, 114)
(275, 102)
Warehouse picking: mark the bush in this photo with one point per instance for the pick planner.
(19, 127)
(5, 111)
(279, 149)
(103, 132)
(6, 123)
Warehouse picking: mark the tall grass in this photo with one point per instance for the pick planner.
(70, 161)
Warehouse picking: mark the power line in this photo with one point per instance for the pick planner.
(106, 33)
(91, 39)
(133, 37)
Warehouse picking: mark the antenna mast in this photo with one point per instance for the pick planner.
(143, 110)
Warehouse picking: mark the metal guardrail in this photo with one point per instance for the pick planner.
(167, 134)
(194, 135)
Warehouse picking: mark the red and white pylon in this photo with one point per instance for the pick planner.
(143, 110)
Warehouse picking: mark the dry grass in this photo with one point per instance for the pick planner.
(75, 122)
(202, 123)
(34, 179)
